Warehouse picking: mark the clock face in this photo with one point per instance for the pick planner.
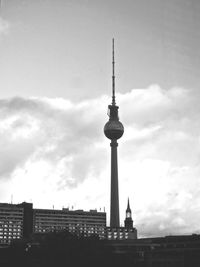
(128, 215)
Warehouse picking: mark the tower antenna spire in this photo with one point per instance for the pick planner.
(113, 72)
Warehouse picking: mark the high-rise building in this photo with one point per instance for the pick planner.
(84, 223)
(16, 221)
(21, 221)
(11, 222)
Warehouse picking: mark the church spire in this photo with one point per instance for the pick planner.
(128, 207)
(128, 221)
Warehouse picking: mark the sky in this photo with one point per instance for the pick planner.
(55, 86)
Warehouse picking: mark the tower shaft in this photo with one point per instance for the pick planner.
(113, 130)
(114, 201)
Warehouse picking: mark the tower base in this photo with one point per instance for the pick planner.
(121, 233)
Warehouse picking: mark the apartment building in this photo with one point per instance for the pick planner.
(85, 223)
(21, 221)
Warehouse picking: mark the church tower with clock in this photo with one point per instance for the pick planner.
(128, 223)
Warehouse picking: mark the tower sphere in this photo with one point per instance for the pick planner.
(113, 129)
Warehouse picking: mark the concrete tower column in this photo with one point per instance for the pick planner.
(114, 198)
(113, 130)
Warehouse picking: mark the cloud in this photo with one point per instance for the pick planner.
(54, 150)
(34, 128)
(4, 26)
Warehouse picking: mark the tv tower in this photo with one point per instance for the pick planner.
(113, 130)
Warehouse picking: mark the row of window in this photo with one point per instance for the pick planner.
(74, 216)
(57, 223)
(9, 234)
(10, 230)
(10, 213)
(82, 220)
(70, 224)
(58, 226)
(11, 222)
(9, 237)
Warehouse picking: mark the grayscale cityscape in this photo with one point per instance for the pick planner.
(99, 133)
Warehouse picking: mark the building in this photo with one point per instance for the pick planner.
(172, 251)
(11, 222)
(16, 221)
(19, 221)
(84, 223)
(128, 222)
(121, 233)
(126, 232)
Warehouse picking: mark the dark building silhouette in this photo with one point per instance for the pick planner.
(169, 251)
(27, 219)
(113, 130)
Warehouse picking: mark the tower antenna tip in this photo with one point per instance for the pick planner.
(113, 73)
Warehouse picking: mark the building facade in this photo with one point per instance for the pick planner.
(79, 222)
(12, 219)
(121, 233)
(21, 221)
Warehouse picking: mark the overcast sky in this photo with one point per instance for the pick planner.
(55, 85)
